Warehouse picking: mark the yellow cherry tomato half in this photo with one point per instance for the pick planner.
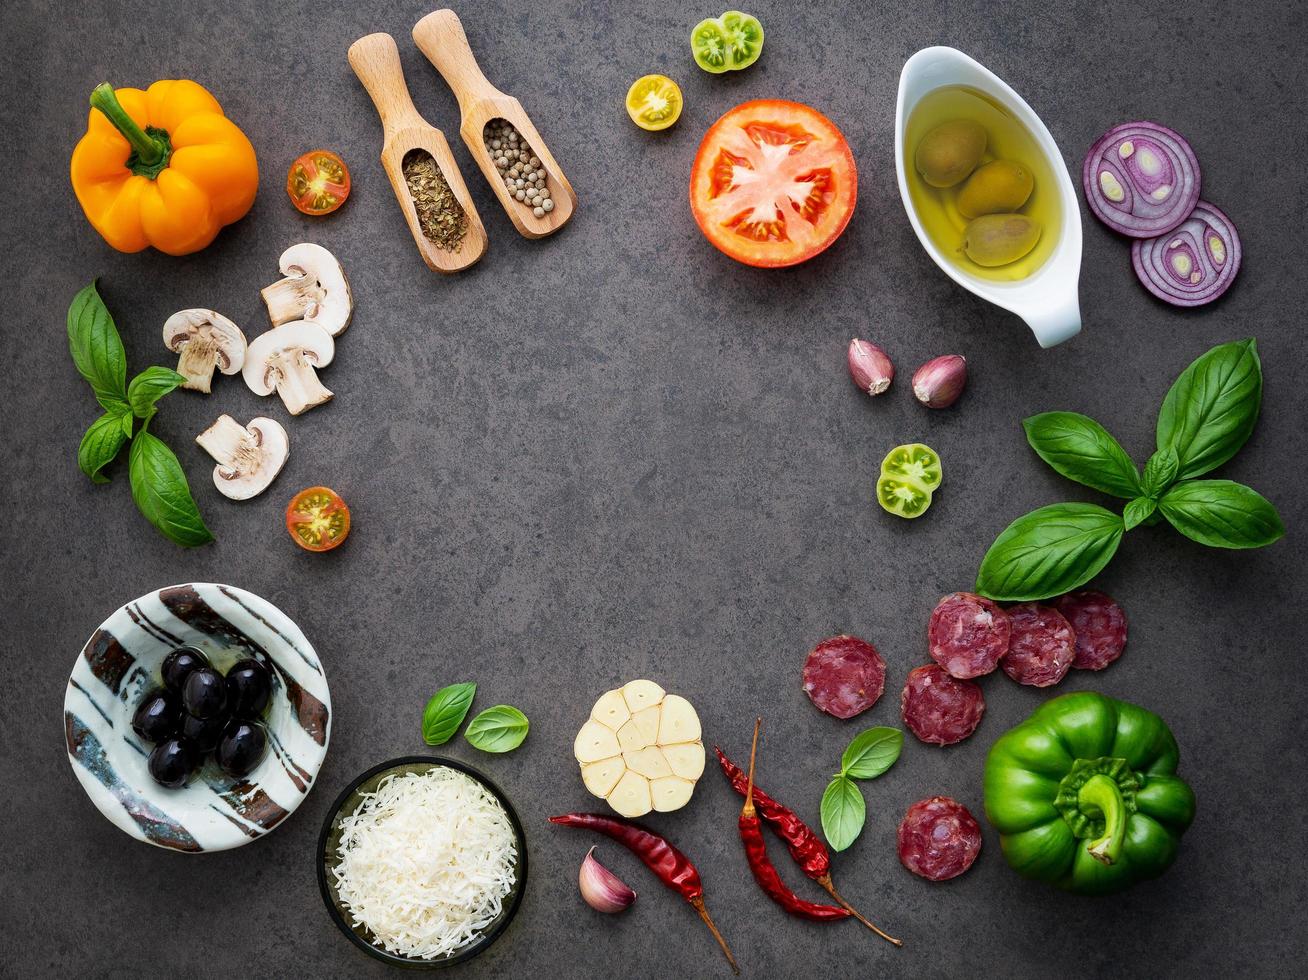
(654, 102)
(318, 182)
(318, 519)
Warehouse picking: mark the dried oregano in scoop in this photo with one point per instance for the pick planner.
(440, 217)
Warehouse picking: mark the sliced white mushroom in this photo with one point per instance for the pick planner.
(205, 340)
(315, 289)
(249, 456)
(284, 359)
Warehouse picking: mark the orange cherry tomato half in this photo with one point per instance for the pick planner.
(773, 183)
(318, 519)
(318, 182)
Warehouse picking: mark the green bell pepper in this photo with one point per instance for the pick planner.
(1085, 795)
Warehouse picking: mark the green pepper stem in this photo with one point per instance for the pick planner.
(1103, 795)
(149, 151)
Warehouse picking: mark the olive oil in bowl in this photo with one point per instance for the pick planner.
(1006, 139)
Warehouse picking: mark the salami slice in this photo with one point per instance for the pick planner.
(938, 838)
(1042, 645)
(938, 708)
(844, 675)
(967, 634)
(1100, 627)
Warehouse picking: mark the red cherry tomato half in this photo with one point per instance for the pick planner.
(318, 182)
(773, 183)
(318, 519)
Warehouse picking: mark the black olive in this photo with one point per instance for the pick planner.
(241, 748)
(203, 733)
(171, 762)
(204, 694)
(178, 665)
(249, 689)
(157, 716)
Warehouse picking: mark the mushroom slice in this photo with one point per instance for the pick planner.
(284, 359)
(249, 456)
(315, 290)
(205, 340)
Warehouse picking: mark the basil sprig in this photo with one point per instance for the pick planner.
(1208, 414)
(159, 485)
(843, 810)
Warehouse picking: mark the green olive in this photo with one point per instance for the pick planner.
(998, 239)
(950, 152)
(999, 186)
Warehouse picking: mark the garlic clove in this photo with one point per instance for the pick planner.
(601, 888)
(939, 382)
(870, 366)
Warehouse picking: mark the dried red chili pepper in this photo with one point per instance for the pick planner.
(806, 847)
(765, 873)
(670, 866)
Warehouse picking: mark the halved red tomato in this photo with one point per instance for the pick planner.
(318, 182)
(318, 519)
(773, 183)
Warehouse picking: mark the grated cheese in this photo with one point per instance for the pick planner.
(426, 861)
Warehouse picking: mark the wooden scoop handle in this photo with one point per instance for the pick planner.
(376, 60)
(440, 37)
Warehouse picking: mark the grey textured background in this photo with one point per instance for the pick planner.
(615, 453)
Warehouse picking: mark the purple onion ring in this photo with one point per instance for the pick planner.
(1193, 264)
(1141, 179)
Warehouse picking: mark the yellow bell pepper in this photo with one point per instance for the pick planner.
(163, 167)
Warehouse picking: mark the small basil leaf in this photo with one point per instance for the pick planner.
(871, 753)
(1159, 472)
(162, 494)
(1081, 449)
(100, 445)
(98, 350)
(148, 387)
(1137, 511)
(128, 420)
(843, 812)
(498, 729)
(1222, 514)
(1212, 407)
(445, 712)
(1049, 551)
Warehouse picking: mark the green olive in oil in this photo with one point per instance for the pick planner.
(1006, 139)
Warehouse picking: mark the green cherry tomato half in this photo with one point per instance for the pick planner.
(708, 43)
(909, 476)
(744, 38)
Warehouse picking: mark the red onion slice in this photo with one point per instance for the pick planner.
(1141, 179)
(1193, 264)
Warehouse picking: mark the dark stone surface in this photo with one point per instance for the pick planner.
(615, 453)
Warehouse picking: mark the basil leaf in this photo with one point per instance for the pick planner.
(1138, 511)
(1159, 472)
(843, 812)
(128, 421)
(98, 350)
(1222, 514)
(100, 445)
(1212, 407)
(445, 712)
(162, 494)
(1049, 551)
(1081, 449)
(871, 753)
(148, 387)
(498, 729)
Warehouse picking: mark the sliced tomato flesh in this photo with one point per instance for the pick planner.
(318, 519)
(774, 183)
(318, 182)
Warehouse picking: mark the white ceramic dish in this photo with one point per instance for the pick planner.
(120, 663)
(1046, 299)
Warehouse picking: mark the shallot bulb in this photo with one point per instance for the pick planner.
(939, 382)
(601, 888)
(870, 367)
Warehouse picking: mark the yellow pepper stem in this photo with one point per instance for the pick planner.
(150, 150)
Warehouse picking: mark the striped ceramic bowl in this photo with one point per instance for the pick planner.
(120, 664)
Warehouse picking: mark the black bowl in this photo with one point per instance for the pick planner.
(330, 837)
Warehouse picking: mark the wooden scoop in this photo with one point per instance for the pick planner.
(440, 37)
(376, 60)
